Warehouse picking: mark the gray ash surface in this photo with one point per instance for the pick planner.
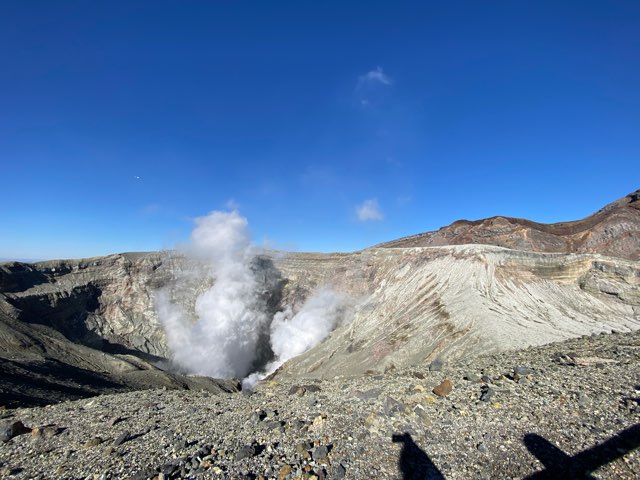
(564, 410)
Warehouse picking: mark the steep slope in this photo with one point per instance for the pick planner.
(63, 336)
(415, 305)
(612, 231)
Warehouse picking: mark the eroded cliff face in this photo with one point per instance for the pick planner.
(407, 305)
(71, 329)
(418, 304)
(102, 302)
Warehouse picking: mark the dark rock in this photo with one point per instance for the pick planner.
(297, 390)
(320, 452)
(486, 393)
(339, 472)
(13, 429)
(247, 451)
(122, 438)
(257, 417)
(170, 468)
(564, 359)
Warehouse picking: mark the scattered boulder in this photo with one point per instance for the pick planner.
(486, 393)
(444, 388)
(320, 452)
(339, 472)
(247, 451)
(13, 429)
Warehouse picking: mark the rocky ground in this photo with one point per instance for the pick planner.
(560, 410)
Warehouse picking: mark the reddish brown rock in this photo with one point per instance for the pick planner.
(613, 231)
(444, 388)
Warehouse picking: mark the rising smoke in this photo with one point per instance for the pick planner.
(234, 323)
(293, 334)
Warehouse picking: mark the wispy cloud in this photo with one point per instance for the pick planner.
(374, 77)
(232, 205)
(369, 210)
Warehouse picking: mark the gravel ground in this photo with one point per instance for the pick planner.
(557, 411)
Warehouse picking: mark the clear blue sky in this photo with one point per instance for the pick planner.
(332, 125)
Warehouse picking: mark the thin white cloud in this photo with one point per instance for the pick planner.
(232, 205)
(374, 77)
(369, 210)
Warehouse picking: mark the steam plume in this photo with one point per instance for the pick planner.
(233, 323)
(230, 315)
(293, 334)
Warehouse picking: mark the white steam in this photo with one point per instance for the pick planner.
(232, 320)
(292, 335)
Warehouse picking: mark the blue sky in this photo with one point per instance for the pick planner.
(331, 125)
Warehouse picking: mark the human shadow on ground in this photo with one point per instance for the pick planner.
(579, 466)
(414, 463)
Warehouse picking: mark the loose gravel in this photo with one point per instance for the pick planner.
(560, 410)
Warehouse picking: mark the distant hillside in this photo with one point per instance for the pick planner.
(613, 231)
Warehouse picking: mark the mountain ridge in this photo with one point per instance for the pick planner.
(614, 230)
